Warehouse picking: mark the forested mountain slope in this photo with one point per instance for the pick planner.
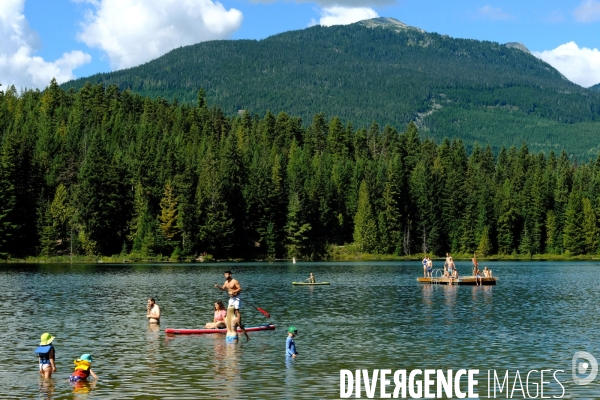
(382, 70)
(596, 87)
(104, 172)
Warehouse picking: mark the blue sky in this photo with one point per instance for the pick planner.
(66, 39)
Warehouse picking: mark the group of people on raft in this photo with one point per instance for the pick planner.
(450, 270)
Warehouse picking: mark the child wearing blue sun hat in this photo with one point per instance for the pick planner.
(83, 369)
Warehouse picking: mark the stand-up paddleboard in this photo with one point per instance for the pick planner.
(207, 331)
(310, 284)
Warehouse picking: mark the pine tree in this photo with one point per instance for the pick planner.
(574, 237)
(365, 224)
(168, 214)
(7, 199)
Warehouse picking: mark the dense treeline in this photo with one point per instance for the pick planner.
(103, 171)
(474, 90)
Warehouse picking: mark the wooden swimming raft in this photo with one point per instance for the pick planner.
(462, 280)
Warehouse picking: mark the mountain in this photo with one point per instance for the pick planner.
(386, 71)
(595, 87)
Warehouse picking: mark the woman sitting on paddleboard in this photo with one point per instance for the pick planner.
(219, 317)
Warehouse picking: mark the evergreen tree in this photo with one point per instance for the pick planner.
(365, 225)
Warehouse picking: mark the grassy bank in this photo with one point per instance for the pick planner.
(348, 252)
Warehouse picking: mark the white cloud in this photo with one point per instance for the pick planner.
(579, 65)
(496, 13)
(18, 64)
(588, 11)
(337, 15)
(132, 32)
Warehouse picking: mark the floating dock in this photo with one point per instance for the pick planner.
(462, 280)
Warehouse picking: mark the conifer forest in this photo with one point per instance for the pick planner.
(101, 171)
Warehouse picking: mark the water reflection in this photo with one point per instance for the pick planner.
(226, 368)
(537, 317)
(46, 388)
(82, 389)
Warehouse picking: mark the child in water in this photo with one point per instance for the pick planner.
(83, 369)
(290, 345)
(45, 352)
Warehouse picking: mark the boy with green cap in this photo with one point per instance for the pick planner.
(290, 345)
(45, 352)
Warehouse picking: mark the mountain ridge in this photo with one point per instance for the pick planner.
(381, 70)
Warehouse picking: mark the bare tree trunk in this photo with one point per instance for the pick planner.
(424, 246)
(406, 240)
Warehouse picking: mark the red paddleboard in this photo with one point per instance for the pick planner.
(207, 331)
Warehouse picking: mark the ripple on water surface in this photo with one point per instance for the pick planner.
(374, 315)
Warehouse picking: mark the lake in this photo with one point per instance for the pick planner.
(373, 316)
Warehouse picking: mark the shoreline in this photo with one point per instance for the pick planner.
(336, 258)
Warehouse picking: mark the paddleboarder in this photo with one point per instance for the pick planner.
(153, 314)
(311, 278)
(233, 287)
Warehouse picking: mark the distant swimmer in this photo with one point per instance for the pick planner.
(219, 317)
(234, 289)
(153, 312)
(46, 354)
(311, 278)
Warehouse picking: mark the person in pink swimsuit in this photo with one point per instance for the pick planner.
(219, 317)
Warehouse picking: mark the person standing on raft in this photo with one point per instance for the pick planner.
(153, 314)
(46, 355)
(233, 287)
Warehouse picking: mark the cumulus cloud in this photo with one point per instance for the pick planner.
(132, 32)
(338, 15)
(579, 65)
(18, 64)
(588, 11)
(495, 13)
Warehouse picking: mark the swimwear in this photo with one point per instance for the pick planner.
(220, 315)
(231, 339)
(428, 269)
(44, 366)
(236, 302)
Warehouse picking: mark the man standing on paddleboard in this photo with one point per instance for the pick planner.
(232, 286)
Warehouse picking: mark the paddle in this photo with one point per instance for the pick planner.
(261, 310)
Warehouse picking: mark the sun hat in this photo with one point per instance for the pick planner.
(46, 339)
(292, 329)
(86, 357)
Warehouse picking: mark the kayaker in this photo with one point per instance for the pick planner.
(311, 278)
(219, 317)
(153, 314)
(83, 369)
(233, 287)
(290, 345)
(46, 354)
(231, 323)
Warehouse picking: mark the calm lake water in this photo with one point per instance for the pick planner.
(373, 316)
